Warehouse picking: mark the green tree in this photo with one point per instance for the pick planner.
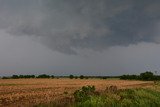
(52, 76)
(43, 76)
(71, 76)
(147, 76)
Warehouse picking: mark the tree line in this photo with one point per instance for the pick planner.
(44, 76)
(146, 76)
(28, 76)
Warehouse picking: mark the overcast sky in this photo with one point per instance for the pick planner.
(89, 37)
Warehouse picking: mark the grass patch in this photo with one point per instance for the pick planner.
(126, 98)
(123, 98)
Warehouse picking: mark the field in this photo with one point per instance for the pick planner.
(30, 92)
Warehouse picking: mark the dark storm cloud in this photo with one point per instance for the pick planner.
(69, 25)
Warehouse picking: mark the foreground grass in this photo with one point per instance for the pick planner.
(117, 98)
(124, 98)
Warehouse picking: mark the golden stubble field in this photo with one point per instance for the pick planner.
(28, 92)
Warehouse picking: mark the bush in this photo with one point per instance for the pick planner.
(84, 93)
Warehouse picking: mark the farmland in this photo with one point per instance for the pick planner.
(30, 92)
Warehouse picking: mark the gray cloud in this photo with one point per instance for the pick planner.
(69, 26)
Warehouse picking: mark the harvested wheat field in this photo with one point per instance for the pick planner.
(29, 92)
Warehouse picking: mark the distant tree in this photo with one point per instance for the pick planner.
(15, 76)
(147, 76)
(81, 77)
(30, 76)
(133, 77)
(86, 77)
(33, 76)
(157, 77)
(52, 76)
(71, 76)
(21, 76)
(129, 77)
(43, 76)
(26, 76)
(104, 77)
(123, 77)
(5, 77)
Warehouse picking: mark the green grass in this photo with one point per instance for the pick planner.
(124, 98)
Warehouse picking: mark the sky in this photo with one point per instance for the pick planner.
(79, 37)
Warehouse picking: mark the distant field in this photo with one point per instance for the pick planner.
(29, 92)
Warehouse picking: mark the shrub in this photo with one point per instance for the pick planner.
(84, 93)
